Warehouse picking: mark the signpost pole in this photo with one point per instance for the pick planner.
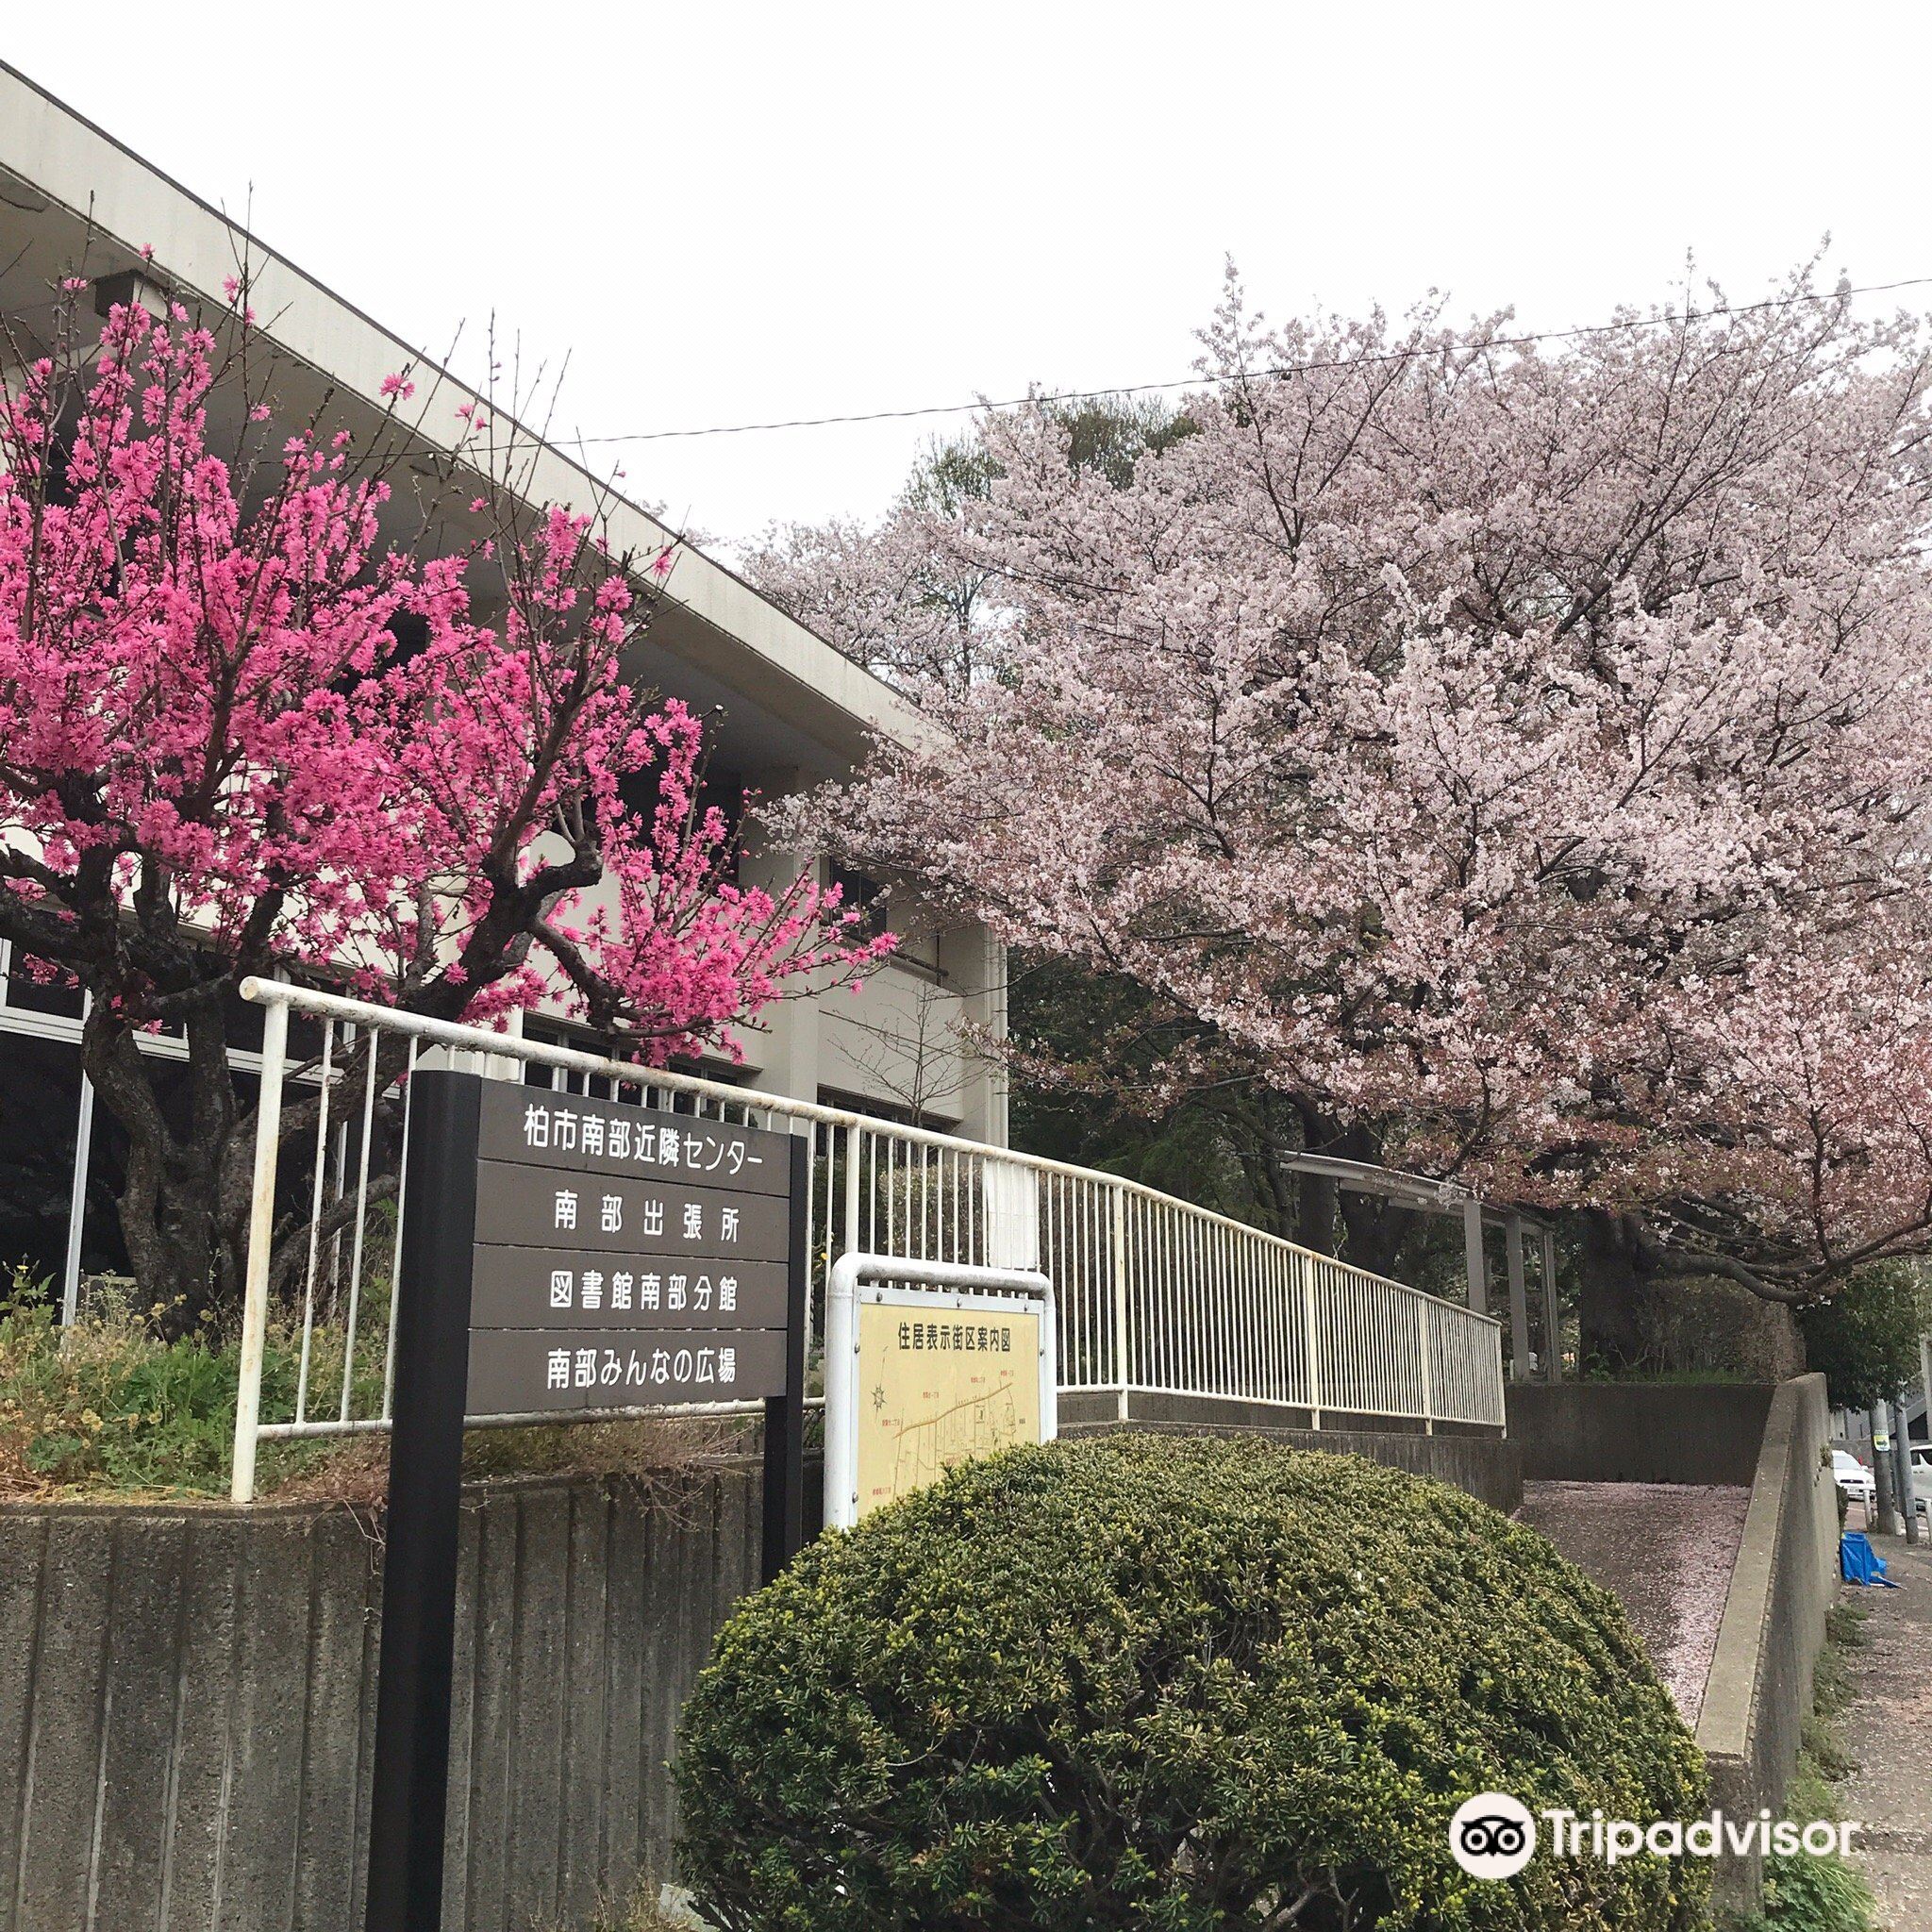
(410, 1783)
(517, 1206)
(783, 1517)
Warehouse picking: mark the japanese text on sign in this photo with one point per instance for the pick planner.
(623, 1257)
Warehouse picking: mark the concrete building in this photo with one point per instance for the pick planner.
(791, 711)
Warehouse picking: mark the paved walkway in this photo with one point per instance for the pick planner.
(1666, 1549)
(1888, 1729)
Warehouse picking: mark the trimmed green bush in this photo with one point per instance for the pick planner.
(1171, 1684)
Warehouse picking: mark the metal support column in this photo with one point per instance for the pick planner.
(1473, 1261)
(76, 1204)
(1518, 1300)
(1552, 1313)
(1117, 1248)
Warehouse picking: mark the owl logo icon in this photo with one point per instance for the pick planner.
(1493, 1835)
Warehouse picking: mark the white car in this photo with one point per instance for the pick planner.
(1853, 1477)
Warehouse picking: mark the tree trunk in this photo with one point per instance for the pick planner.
(1610, 1297)
(1377, 1229)
(185, 1259)
(1314, 1212)
(179, 1214)
(1373, 1226)
(185, 1210)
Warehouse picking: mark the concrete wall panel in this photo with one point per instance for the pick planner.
(187, 1705)
(1638, 1432)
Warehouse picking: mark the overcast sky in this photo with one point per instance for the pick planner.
(730, 213)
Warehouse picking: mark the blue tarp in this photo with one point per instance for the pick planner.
(1859, 1562)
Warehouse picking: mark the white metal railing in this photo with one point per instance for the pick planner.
(1153, 1294)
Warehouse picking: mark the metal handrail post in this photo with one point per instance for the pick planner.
(261, 1228)
(1312, 1325)
(1425, 1323)
(1117, 1242)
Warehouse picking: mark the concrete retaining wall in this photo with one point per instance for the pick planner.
(187, 1695)
(1773, 1439)
(1786, 1575)
(1638, 1432)
(186, 1703)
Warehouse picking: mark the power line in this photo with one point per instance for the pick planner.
(1141, 388)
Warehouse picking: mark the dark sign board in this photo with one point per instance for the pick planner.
(607, 1137)
(610, 1215)
(605, 1236)
(576, 1370)
(561, 1254)
(560, 1288)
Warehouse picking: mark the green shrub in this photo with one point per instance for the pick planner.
(107, 1405)
(1172, 1684)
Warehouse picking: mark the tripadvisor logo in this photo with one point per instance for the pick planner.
(1494, 1835)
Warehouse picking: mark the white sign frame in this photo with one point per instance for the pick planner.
(893, 1281)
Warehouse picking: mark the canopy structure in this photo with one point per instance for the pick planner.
(1424, 1195)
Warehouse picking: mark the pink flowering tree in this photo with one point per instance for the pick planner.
(241, 732)
(1515, 760)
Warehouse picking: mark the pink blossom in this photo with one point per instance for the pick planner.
(1519, 762)
(219, 761)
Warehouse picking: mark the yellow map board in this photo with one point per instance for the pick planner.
(937, 1386)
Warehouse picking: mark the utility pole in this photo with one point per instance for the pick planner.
(1902, 1472)
(1886, 1510)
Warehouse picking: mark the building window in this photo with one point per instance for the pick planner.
(39, 1119)
(568, 1081)
(33, 987)
(860, 893)
(717, 785)
(896, 1111)
(917, 951)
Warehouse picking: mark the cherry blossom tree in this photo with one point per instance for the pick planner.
(883, 593)
(1515, 757)
(897, 596)
(241, 732)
